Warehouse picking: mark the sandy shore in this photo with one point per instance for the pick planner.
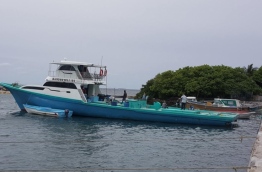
(4, 92)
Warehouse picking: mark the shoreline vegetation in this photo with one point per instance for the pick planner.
(206, 82)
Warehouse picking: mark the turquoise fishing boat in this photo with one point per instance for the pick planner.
(76, 86)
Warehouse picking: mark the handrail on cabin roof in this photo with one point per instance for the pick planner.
(77, 63)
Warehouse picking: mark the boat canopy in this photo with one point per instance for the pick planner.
(65, 62)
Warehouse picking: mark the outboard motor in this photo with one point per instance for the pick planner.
(66, 112)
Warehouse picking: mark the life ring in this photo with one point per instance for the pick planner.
(101, 72)
(105, 73)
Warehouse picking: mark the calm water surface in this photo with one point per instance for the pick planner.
(31, 142)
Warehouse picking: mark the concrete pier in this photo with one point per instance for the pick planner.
(255, 162)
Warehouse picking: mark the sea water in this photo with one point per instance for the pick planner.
(32, 142)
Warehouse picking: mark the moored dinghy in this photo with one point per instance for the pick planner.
(47, 111)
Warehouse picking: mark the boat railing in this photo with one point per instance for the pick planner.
(92, 76)
(77, 75)
(51, 73)
(64, 74)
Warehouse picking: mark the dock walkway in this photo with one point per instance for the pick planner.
(255, 162)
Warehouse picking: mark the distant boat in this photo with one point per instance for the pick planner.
(47, 111)
(76, 86)
(224, 105)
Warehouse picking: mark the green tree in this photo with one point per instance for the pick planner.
(257, 77)
(203, 81)
(163, 85)
(146, 89)
(250, 70)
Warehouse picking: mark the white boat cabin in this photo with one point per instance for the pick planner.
(77, 72)
(73, 80)
(85, 76)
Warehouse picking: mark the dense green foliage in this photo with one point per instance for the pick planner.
(206, 82)
(257, 76)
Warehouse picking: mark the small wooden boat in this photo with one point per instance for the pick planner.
(224, 105)
(47, 111)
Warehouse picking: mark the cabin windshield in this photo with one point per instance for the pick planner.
(67, 67)
(229, 102)
(218, 102)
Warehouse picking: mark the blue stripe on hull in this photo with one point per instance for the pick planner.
(108, 111)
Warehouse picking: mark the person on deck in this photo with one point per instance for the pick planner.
(164, 105)
(124, 96)
(178, 102)
(183, 101)
(144, 96)
(84, 91)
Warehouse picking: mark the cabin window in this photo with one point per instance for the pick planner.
(33, 88)
(82, 68)
(229, 102)
(217, 102)
(60, 85)
(67, 67)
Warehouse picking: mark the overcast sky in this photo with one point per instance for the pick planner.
(137, 39)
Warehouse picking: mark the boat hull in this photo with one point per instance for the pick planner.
(245, 115)
(103, 110)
